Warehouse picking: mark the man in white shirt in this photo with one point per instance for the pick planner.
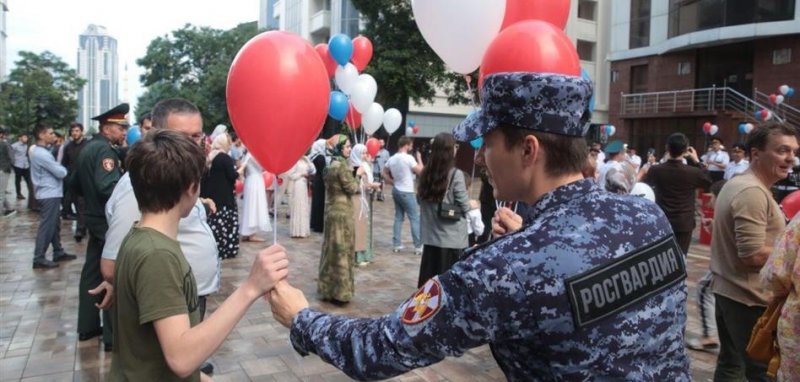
(738, 163)
(401, 170)
(616, 156)
(633, 159)
(716, 160)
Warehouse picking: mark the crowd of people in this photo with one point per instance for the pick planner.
(571, 264)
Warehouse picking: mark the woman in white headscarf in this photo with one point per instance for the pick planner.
(255, 211)
(320, 161)
(360, 158)
(299, 206)
(218, 184)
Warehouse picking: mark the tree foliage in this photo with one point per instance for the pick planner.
(40, 90)
(193, 63)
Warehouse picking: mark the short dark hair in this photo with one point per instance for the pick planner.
(404, 140)
(74, 125)
(739, 145)
(162, 166)
(144, 117)
(677, 143)
(564, 155)
(718, 139)
(164, 108)
(758, 138)
(40, 128)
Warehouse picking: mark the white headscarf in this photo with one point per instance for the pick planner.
(356, 154)
(220, 129)
(317, 149)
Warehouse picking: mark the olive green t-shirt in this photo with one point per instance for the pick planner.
(153, 281)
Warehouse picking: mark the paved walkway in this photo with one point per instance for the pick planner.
(38, 312)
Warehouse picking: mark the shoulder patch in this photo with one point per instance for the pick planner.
(424, 304)
(610, 288)
(108, 164)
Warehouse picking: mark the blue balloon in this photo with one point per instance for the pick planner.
(134, 134)
(585, 75)
(476, 143)
(790, 92)
(341, 48)
(742, 128)
(412, 123)
(338, 106)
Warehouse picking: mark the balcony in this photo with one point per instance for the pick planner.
(320, 22)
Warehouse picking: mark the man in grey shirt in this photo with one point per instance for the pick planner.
(5, 173)
(194, 235)
(48, 180)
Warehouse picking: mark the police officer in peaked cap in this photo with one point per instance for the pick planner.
(98, 170)
(591, 287)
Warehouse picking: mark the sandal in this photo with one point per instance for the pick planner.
(696, 344)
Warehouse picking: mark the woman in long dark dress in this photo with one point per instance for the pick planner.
(318, 158)
(218, 184)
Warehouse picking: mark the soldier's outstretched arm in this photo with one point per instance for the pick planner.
(450, 314)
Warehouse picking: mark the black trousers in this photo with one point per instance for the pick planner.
(684, 240)
(19, 175)
(88, 314)
(435, 261)
(735, 322)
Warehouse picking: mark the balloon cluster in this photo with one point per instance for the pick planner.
(710, 128)
(354, 102)
(608, 130)
(763, 115)
(745, 128)
(498, 35)
(412, 128)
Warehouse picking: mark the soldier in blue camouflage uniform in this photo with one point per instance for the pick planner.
(591, 287)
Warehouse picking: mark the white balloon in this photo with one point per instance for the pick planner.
(769, 116)
(409, 131)
(392, 120)
(748, 128)
(372, 118)
(362, 95)
(346, 77)
(714, 129)
(459, 31)
(779, 99)
(783, 89)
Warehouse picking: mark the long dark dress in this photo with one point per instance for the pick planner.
(318, 196)
(218, 185)
(336, 280)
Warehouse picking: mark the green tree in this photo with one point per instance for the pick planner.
(403, 64)
(41, 89)
(193, 63)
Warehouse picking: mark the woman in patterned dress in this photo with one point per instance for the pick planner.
(781, 275)
(218, 184)
(336, 282)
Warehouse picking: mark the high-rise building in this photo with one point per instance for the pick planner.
(678, 64)
(3, 35)
(266, 18)
(98, 65)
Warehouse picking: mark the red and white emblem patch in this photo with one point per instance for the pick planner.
(424, 304)
(108, 164)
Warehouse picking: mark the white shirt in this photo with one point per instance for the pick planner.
(716, 156)
(601, 158)
(194, 235)
(400, 166)
(475, 222)
(601, 179)
(734, 168)
(636, 161)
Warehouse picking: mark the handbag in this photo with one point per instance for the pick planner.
(449, 211)
(763, 346)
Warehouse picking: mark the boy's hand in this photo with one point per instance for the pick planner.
(108, 297)
(270, 266)
(286, 301)
(505, 221)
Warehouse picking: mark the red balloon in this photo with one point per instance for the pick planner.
(773, 98)
(555, 12)
(239, 187)
(278, 93)
(330, 64)
(362, 52)
(268, 178)
(707, 127)
(373, 146)
(791, 204)
(531, 46)
(353, 118)
(415, 129)
(764, 114)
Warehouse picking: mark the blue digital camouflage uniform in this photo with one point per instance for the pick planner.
(591, 288)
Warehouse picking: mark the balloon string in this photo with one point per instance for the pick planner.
(275, 211)
(468, 80)
(472, 178)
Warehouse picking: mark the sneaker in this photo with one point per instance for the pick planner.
(418, 250)
(362, 264)
(46, 264)
(398, 249)
(9, 213)
(207, 368)
(65, 257)
(20, 197)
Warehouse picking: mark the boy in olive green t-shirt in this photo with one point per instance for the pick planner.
(157, 334)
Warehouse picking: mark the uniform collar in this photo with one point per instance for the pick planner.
(564, 194)
(101, 137)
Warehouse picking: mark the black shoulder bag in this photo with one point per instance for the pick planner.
(449, 211)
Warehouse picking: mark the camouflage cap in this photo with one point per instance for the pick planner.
(551, 103)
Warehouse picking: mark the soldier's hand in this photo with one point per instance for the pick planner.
(286, 301)
(505, 221)
(108, 297)
(270, 266)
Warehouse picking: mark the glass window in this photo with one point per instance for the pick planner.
(349, 19)
(684, 68)
(782, 56)
(639, 79)
(585, 50)
(640, 24)
(586, 9)
(687, 16)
